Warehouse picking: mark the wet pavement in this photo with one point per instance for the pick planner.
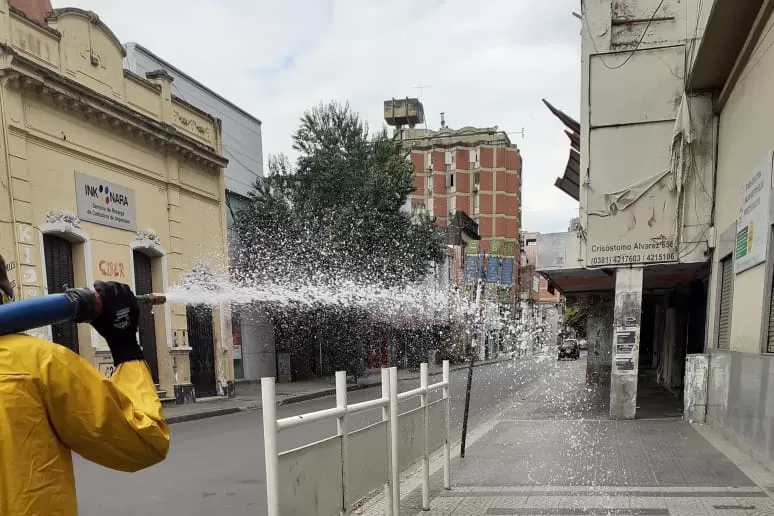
(216, 465)
(554, 451)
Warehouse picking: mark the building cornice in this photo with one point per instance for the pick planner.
(21, 73)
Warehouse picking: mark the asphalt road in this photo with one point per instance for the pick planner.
(216, 466)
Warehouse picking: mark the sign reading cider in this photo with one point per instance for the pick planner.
(105, 203)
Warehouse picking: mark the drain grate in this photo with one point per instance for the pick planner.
(734, 507)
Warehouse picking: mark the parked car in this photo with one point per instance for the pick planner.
(583, 344)
(569, 349)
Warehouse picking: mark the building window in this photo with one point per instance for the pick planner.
(475, 203)
(452, 205)
(450, 176)
(726, 293)
(429, 185)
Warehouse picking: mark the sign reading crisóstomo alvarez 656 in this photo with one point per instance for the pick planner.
(102, 202)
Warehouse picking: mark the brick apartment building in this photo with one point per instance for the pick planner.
(476, 171)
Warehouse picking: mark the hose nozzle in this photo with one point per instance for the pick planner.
(152, 299)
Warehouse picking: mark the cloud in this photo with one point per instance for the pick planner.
(484, 63)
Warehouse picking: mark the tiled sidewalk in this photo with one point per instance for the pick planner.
(554, 451)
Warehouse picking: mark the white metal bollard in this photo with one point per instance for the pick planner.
(446, 444)
(386, 419)
(269, 409)
(394, 441)
(423, 383)
(341, 425)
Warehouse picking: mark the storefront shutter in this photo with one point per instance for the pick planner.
(724, 321)
(59, 275)
(770, 339)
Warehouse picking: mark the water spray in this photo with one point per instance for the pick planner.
(76, 304)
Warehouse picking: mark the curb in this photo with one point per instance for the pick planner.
(195, 416)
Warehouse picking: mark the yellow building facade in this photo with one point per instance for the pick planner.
(105, 175)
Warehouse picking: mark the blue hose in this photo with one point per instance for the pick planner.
(32, 313)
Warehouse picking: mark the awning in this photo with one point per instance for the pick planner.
(569, 182)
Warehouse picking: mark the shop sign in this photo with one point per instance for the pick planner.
(105, 203)
(655, 250)
(752, 228)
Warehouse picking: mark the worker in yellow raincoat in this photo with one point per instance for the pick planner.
(53, 402)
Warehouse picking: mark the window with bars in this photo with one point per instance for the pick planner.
(726, 294)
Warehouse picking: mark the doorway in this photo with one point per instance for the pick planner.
(143, 284)
(200, 338)
(60, 276)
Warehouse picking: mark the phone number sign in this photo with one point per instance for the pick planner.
(656, 250)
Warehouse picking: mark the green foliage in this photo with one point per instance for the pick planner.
(338, 213)
(575, 317)
(334, 216)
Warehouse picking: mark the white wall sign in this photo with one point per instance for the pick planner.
(655, 250)
(105, 203)
(752, 233)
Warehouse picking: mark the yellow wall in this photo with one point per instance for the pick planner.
(97, 120)
(745, 135)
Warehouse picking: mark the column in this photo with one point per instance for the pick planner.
(599, 334)
(626, 343)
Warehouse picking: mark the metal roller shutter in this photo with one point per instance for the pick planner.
(770, 339)
(726, 292)
(59, 275)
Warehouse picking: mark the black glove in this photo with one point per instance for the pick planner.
(118, 321)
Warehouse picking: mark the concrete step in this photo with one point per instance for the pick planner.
(167, 402)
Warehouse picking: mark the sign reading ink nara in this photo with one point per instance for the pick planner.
(105, 203)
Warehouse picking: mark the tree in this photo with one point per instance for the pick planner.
(575, 317)
(337, 214)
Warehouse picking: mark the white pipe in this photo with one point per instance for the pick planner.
(341, 424)
(412, 393)
(368, 405)
(446, 445)
(294, 421)
(270, 446)
(386, 422)
(394, 440)
(423, 378)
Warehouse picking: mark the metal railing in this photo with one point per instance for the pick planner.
(316, 478)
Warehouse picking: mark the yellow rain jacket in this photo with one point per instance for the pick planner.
(52, 401)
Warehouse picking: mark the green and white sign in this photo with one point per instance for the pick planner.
(752, 225)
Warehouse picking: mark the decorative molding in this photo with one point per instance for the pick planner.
(63, 217)
(149, 237)
(66, 94)
(192, 124)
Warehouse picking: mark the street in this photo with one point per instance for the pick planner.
(215, 466)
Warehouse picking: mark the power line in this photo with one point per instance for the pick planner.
(636, 48)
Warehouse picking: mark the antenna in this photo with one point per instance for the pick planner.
(421, 95)
(518, 132)
(421, 90)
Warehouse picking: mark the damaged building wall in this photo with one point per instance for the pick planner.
(646, 152)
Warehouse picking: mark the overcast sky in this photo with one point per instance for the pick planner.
(485, 62)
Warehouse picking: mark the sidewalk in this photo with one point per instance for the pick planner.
(248, 395)
(553, 450)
